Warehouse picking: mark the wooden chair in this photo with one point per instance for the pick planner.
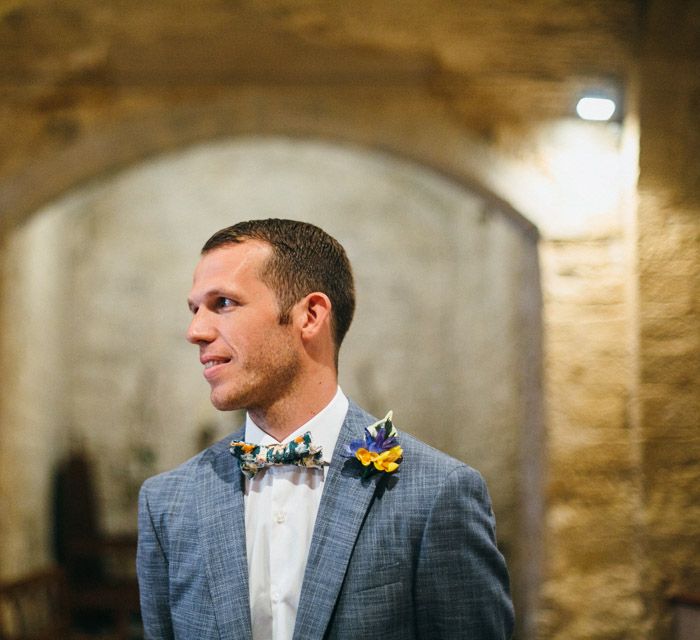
(102, 594)
(686, 616)
(34, 608)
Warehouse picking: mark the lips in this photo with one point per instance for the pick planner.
(213, 364)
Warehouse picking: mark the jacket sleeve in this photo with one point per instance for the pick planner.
(152, 571)
(461, 588)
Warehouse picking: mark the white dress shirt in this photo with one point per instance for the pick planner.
(281, 504)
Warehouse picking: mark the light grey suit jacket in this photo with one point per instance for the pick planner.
(401, 556)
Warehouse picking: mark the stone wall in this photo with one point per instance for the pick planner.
(592, 545)
(484, 96)
(33, 433)
(668, 374)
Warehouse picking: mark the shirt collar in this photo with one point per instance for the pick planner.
(324, 427)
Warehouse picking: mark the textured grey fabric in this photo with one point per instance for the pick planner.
(410, 555)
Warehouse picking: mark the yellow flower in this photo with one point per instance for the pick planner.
(364, 456)
(386, 461)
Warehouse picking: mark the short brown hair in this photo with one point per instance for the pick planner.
(304, 259)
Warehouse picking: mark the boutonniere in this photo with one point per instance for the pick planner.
(379, 450)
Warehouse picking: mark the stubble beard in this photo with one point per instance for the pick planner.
(260, 383)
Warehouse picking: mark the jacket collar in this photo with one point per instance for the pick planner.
(222, 535)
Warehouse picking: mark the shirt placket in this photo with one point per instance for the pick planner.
(280, 548)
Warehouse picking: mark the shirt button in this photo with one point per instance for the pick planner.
(275, 597)
(280, 517)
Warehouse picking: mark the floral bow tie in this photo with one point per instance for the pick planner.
(254, 457)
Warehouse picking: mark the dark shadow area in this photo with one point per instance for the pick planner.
(101, 589)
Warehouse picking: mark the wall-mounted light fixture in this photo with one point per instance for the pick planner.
(598, 106)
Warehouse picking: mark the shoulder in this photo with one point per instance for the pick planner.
(428, 455)
(168, 485)
(434, 471)
(422, 463)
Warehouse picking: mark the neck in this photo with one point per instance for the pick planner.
(289, 412)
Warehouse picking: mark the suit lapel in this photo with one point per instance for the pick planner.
(222, 535)
(342, 510)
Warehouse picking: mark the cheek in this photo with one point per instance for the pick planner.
(246, 340)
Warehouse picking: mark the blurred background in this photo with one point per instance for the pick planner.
(518, 187)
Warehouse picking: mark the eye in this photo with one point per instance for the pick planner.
(225, 303)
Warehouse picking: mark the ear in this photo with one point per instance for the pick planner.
(314, 315)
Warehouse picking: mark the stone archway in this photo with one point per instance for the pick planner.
(447, 331)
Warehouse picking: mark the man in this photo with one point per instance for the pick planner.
(376, 535)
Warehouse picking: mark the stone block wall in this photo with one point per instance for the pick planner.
(592, 534)
(484, 96)
(668, 248)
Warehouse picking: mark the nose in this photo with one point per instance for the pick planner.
(200, 329)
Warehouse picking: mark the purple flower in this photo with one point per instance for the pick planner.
(378, 438)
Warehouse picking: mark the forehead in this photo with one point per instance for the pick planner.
(232, 263)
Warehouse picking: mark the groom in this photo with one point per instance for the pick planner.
(375, 535)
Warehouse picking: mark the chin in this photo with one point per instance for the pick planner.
(224, 405)
(226, 402)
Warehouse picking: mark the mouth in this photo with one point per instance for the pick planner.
(213, 364)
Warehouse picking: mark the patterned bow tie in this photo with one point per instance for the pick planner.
(254, 457)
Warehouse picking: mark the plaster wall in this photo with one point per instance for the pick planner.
(444, 333)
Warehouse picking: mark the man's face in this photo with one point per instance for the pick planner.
(250, 360)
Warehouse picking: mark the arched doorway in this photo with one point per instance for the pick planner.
(446, 334)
